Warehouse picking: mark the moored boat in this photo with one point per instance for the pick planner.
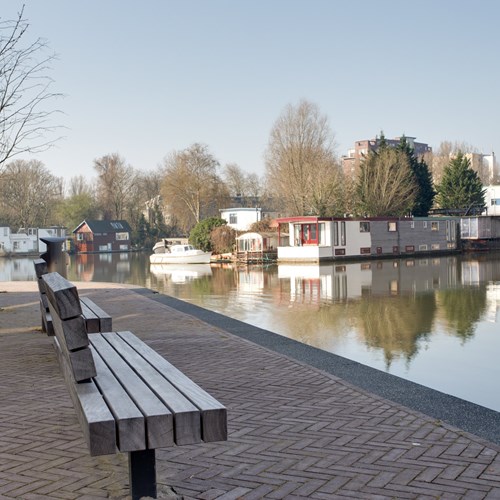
(178, 254)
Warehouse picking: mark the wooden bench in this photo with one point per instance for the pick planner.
(127, 397)
(96, 320)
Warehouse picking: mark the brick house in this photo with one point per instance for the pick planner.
(102, 236)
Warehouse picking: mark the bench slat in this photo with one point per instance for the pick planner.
(91, 320)
(187, 421)
(96, 421)
(63, 295)
(214, 414)
(105, 320)
(131, 427)
(159, 419)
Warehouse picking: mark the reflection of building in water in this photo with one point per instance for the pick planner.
(493, 302)
(111, 267)
(313, 283)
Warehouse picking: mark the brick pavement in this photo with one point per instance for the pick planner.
(294, 431)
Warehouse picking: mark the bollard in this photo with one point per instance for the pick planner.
(55, 256)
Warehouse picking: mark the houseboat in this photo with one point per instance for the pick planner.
(317, 239)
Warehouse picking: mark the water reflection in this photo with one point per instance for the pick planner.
(433, 321)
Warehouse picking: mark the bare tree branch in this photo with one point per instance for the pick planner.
(25, 95)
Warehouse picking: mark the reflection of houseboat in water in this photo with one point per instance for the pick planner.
(317, 239)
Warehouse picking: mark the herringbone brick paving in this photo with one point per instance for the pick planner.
(294, 431)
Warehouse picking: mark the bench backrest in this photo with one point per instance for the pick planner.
(69, 325)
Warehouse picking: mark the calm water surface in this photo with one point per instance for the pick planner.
(433, 321)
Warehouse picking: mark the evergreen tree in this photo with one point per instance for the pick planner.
(200, 234)
(424, 197)
(460, 187)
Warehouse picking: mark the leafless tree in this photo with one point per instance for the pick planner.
(25, 95)
(246, 187)
(301, 165)
(29, 194)
(116, 185)
(385, 185)
(191, 186)
(79, 185)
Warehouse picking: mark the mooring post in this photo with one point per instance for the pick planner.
(54, 255)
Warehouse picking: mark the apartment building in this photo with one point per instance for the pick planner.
(350, 162)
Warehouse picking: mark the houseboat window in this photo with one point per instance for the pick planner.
(122, 236)
(296, 234)
(364, 227)
(425, 224)
(392, 226)
(321, 236)
(233, 219)
(434, 226)
(412, 224)
(336, 234)
(342, 233)
(309, 234)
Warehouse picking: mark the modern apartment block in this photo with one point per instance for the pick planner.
(350, 163)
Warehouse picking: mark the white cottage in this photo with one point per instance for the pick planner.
(240, 219)
(27, 241)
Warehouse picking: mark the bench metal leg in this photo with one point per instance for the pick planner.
(142, 474)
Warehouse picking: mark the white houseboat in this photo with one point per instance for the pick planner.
(316, 239)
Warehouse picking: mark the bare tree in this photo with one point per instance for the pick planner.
(79, 185)
(116, 185)
(235, 179)
(246, 187)
(191, 185)
(25, 96)
(301, 165)
(386, 185)
(29, 194)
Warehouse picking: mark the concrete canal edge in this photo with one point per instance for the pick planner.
(470, 417)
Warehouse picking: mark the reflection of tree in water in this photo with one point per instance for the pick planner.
(462, 309)
(396, 324)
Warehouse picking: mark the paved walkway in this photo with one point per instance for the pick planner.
(294, 430)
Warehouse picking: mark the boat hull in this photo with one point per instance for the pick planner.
(168, 258)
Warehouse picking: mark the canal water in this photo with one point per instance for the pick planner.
(430, 320)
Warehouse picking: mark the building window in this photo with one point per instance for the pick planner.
(342, 233)
(79, 236)
(233, 218)
(409, 248)
(336, 234)
(116, 225)
(365, 251)
(435, 246)
(422, 248)
(392, 226)
(412, 224)
(340, 251)
(425, 224)
(122, 236)
(364, 227)
(434, 226)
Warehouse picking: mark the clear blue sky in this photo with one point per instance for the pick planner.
(144, 78)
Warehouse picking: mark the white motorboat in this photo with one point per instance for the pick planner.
(178, 254)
